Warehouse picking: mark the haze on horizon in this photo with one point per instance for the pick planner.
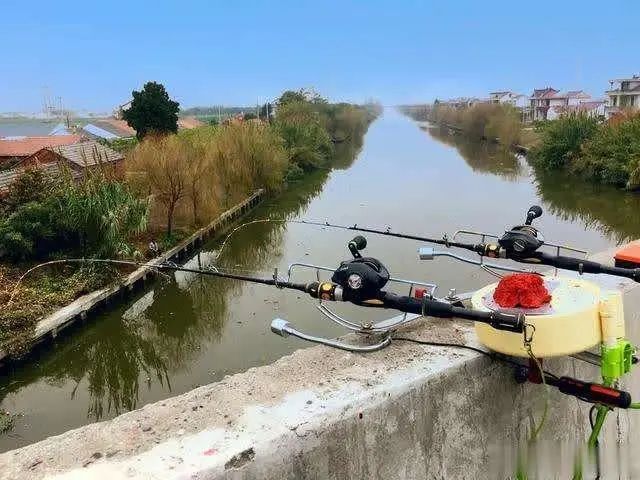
(245, 52)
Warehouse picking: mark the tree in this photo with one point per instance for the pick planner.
(158, 166)
(152, 111)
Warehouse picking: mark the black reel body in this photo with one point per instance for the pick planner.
(523, 240)
(361, 278)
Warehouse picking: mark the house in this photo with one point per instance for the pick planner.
(565, 102)
(95, 132)
(118, 113)
(549, 104)
(115, 126)
(79, 157)
(511, 98)
(625, 95)
(540, 103)
(7, 177)
(16, 148)
(591, 108)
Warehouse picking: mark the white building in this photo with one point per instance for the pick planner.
(623, 94)
(512, 98)
(566, 102)
(549, 104)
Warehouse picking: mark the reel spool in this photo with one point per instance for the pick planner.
(569, 324)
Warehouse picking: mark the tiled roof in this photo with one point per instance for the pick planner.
(86, 154)
(7, 177)
(544, 92)
(25, 146)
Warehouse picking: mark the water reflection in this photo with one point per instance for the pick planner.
(610, 211)
(614, 213)
(159, 334)
(483, 157)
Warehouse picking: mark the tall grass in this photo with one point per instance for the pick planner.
(196, 175)
(483, 121)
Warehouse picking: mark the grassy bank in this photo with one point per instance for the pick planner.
(607, 153)
(482, 121)
(173, 185)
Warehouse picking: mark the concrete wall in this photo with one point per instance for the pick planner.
(409, 411)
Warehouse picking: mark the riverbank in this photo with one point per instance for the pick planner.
(604, 152)
(37, 331)
(181, 181)
(496, 123)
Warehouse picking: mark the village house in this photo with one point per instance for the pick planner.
(15, 149)
(625, 95)
(77, 159)
(549, 104)
(508, 97)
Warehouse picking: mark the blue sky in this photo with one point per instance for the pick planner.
(93, 54)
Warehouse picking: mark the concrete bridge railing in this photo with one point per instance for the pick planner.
(409, 411)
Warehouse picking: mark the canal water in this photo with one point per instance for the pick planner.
(185, 331)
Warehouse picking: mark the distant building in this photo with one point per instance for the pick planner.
(188, 123)
(511, 98)
(79, 157)
(118, 113)
(60, 129)
(75, 159)
(95, 132)
(540, 103)
(460, 102)
(549, 104)
(17, 148)
(625, 95)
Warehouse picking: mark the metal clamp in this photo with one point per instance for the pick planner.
(283, 328)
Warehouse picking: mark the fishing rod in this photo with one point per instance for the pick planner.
(521, 243)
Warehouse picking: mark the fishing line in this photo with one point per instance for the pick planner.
(355, 228)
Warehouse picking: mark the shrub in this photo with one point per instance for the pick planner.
(612, 154)
(101, 213)
(307, 142)
(95, 214)
(561, 140)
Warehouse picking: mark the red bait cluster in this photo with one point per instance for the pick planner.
(521, 290)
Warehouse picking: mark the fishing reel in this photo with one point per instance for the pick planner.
(523, 240)
(363, 277)
(359, 280)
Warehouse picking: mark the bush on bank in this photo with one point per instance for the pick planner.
(481, 121)
(606, 153)
(94, 216)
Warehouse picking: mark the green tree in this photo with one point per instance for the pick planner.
(292, 96)
(152, 111)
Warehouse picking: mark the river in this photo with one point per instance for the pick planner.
(185, 331)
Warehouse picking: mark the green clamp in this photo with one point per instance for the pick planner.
(616, 360)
